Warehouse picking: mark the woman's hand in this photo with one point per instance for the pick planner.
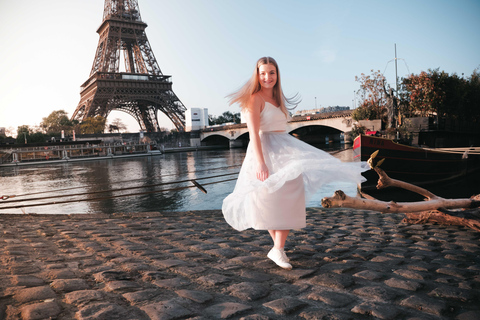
(262, 172)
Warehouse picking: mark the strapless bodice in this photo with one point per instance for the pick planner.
(272, 119)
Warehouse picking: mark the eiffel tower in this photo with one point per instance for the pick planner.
(142, 90)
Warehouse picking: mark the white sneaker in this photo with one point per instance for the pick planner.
(280, 258)
(285, 255)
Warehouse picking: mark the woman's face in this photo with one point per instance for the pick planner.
(267, 76)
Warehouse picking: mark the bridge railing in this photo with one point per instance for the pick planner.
(324, 115)
(225, 127)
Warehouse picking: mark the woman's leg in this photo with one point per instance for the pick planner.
(279, 238)
(277, 254)
(272, 234)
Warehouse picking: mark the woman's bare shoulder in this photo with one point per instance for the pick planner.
(256, 102)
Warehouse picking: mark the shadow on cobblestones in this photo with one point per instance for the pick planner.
(348, 264)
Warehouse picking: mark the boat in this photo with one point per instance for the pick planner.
(74, 152)
(425, 167)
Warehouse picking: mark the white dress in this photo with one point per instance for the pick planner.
(296, 170)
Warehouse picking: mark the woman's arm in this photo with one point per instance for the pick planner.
(255, 106)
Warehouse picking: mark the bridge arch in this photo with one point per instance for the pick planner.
(318, 134)
(216, 140)
(329, 127)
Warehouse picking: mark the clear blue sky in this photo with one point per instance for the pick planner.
(210, 48)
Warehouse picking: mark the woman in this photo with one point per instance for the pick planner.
(278, 171)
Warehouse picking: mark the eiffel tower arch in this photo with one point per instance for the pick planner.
(141, 90)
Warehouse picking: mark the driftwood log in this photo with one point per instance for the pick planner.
(435, 209)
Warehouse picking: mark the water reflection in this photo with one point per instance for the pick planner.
(103, 178)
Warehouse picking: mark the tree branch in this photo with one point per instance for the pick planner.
(341, 200)
(384, 181)
(434, 209)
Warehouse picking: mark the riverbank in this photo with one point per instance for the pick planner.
(110, 156)
(348, 264)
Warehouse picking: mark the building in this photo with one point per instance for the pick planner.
(196, 119)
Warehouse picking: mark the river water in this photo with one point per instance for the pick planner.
(131, 184)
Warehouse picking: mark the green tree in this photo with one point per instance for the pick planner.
(26, 133)
(226, 117)
(421, 93)
(38, 137)
(23, 134)
(116, 126)
(93, 125)
(357, 130)
(440, 94)
(472, 98)
(365, 112)
(56, 122)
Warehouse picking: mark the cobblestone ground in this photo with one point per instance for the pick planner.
(191, 265)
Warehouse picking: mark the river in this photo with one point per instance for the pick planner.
(130, 185)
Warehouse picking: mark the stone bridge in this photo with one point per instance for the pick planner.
(325, 126)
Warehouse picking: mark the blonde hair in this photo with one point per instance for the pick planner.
(242, 96)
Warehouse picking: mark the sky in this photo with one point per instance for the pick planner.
(210, 47)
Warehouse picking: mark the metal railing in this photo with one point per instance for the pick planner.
(126, 77)
(59, 152)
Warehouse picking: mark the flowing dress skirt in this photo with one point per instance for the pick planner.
(296, 171)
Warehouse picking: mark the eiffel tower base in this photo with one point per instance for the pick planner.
(142, 99)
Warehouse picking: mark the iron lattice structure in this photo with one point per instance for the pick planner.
(141, 90)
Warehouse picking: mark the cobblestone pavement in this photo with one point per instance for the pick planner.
(348, 264)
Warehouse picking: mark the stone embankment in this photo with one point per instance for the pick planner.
(348, 264)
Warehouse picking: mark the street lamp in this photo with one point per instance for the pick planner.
(25, 135)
